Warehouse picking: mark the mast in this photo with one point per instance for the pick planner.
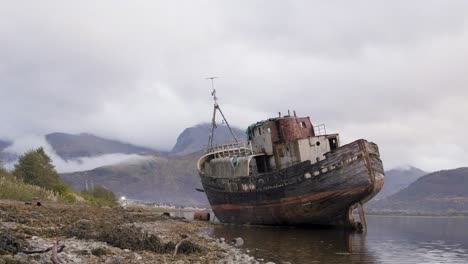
(216, 107)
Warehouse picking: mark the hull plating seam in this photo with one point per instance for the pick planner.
(290, 200)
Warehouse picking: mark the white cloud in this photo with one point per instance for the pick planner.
(27, 143)
(392, 72)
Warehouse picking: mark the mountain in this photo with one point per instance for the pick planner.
(4, 144)
(167, 179)
(442, 192)
(69, 146)
(170, 179)
(398, 179)
(195, 138)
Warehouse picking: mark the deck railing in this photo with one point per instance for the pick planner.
(231, 149)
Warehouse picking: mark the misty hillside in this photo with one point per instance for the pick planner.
(195, 138)
(69, 146)
(170, 179)
(439, 192)
(6, 156)
(4, 144)
(152, 178)
(398, 179)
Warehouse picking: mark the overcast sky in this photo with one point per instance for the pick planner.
(394, 72)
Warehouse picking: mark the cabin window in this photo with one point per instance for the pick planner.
(268, 130)
(333, 143)
(259, 130)
(303, 124)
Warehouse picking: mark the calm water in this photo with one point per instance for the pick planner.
(388, 240)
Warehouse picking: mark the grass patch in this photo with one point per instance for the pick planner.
(17, 190)
(97, 201)
(12, 189)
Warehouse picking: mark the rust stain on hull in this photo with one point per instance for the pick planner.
(290, 200)
(298, 195)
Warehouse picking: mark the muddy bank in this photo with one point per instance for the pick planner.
(87, 234)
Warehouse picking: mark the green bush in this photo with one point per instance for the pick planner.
(17, 190)
(100, 196)
(35, 169)
(69, 197)
(4, 173)
(35, 176)
(61, 188)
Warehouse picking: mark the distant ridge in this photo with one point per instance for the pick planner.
(170, 179)
(398, 179)
(69, 146)
(441, 192)
(166, 179)
(195, 138)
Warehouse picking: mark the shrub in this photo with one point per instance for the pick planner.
(100, 195)
(4, 173)
(69, 197)
(17, 190)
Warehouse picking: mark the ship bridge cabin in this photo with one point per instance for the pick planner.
(276, 143)
(283, 141)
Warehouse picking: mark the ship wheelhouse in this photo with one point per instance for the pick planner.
(285, 141)
(273, 144)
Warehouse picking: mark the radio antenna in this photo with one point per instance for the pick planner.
(216, 107)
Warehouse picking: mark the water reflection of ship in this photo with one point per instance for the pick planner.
(280, 244)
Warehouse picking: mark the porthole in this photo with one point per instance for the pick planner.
(318, 143)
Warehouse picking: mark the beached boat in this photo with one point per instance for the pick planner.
(289, 172)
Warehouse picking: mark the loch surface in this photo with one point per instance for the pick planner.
(389, 239)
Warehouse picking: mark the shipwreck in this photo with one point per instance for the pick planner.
(289, 172)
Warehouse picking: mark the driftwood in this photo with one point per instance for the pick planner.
(56, 248)
(39, 251)
(54, 258)
(185, 237)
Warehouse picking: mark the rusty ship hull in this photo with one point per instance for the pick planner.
(322, 193)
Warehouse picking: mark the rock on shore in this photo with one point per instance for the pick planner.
(106, 235)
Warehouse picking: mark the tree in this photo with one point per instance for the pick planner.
(35, 167)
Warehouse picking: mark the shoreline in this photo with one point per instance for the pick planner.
(92, 234)
(415, 215)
